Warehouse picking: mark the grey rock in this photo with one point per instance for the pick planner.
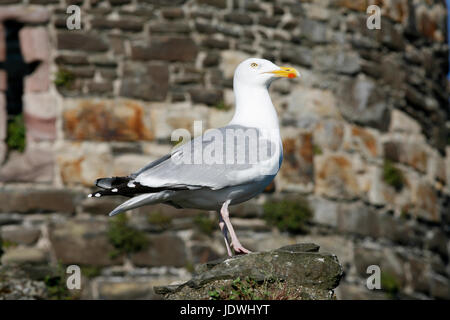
(147, 83)
(362, 101)
(299, 266)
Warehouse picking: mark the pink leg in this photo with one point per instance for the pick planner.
(224, 230)
(237, 246)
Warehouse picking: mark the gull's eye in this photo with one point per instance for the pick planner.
(253, 65)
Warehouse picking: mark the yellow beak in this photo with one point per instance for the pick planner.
(285, 72)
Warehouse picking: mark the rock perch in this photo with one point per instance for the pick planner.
(291, 272)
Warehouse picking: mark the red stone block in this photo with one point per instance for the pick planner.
(39, 128)
(39, 80)
(28, 14)
(34, 43)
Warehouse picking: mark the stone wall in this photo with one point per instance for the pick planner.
(105, 99)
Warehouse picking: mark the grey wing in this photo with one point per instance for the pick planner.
(183, 168)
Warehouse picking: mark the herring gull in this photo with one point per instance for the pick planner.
(224, 166)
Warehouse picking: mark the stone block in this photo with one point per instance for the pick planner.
(90, 42)
(402, 122)
(23, 255)
(82, 242)
(34, 44)
(328, 134)
(106, 120)
(334, 176)
(26, 14)
(35, 165)
(298, 155)
(20, 235)
(32, 201)
(166, 48)
(164, 250)
(361, 101)
(149, 82)
(83, 163)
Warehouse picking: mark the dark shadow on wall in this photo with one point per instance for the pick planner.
(15, 67)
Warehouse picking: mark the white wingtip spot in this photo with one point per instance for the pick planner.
(114, 190)
(90, 195)
(131, 185)
(97, 195)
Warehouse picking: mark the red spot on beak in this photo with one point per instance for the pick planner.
(291, 75)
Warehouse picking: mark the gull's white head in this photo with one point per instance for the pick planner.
(261, 72)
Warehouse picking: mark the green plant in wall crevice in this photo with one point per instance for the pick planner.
(288, 214)
(124, 238)
(16, 133)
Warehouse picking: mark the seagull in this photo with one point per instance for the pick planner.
(224, 166)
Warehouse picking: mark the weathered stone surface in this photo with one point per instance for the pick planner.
(328, 134)
(121, 120)
(203, 253)
(172, 13)
(39, 80)
(133, 25)
(3, 117)
(301, 56)
(164, 250)
(361, 100)
(170, 27)
(209, 97)
(40, 116)
(239, 18)
(2, 49)
(3, 80)
(365, 141)
(126, 290)
(410, 151)
(27, 14)
(90, 42)
(425, 199)
(335, 176)
(166, 48)
(35, 165)
(306, 106)
(387, 259)
(20, 235)
(83, 163)
(313, 273)
(440, 287)
(337, 60)
(17, 284)
(146, 83)
(46, 200)
(22, 255)
(82, 242)
(298, 159)
(221, 4)
(401, 122)
(34, 44)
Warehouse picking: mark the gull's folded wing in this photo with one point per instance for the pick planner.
(184, 169)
